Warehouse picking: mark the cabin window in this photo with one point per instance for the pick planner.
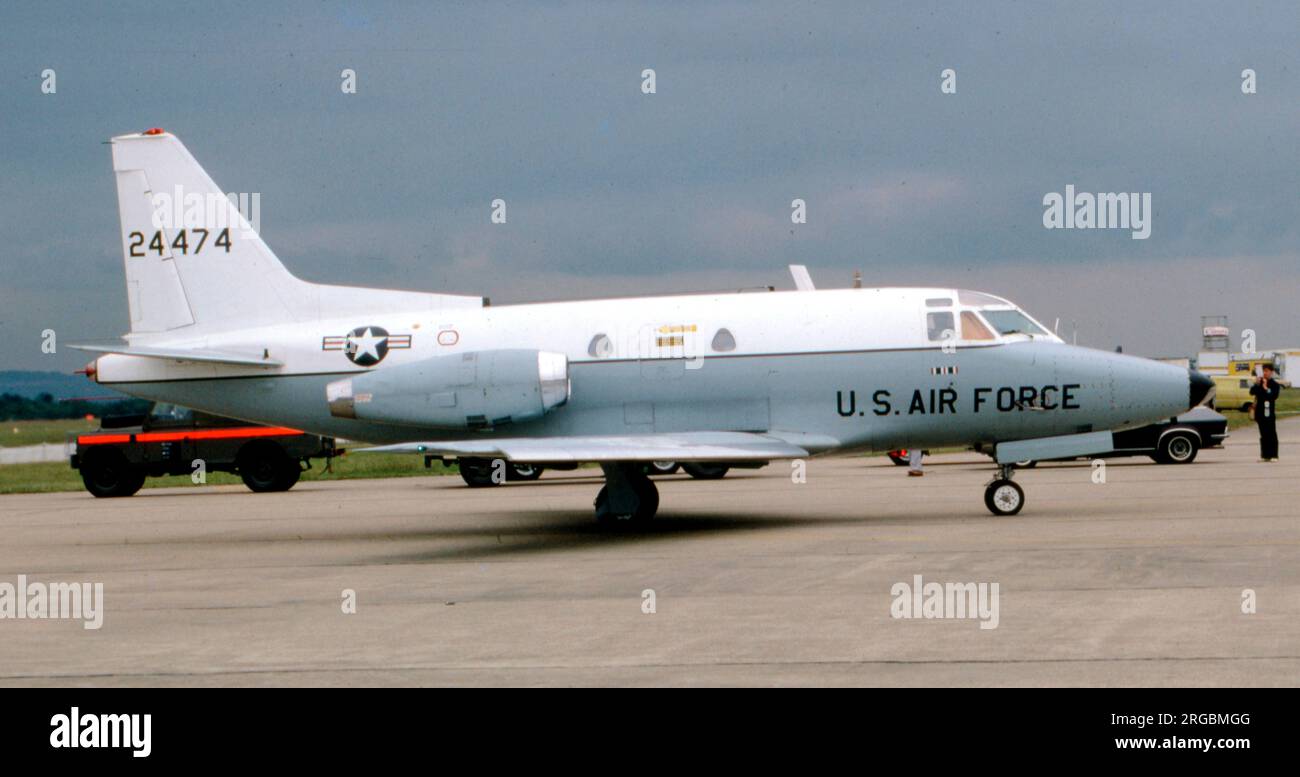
(724, 341)
(972, 328)
(600, 347)
(939, 302)
(938, 323)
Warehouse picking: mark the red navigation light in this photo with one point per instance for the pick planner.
(154, 131)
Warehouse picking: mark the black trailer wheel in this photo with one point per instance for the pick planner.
(107, 473)
(291, 476)
(898, 457)
(477, 473)
(1004, 497)
(702, 471)
(264, 467)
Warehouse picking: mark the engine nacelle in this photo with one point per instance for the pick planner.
(473, 390)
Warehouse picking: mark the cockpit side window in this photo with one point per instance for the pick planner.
(937, 323)
(973, 329)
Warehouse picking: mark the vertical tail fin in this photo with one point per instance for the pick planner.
(194, 264)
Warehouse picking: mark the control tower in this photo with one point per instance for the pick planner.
(1213, 357)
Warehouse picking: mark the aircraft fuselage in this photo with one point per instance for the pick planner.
(847, 369)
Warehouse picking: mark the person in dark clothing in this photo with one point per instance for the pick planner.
(1266, 391)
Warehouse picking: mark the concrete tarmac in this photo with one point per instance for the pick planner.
(756, 579)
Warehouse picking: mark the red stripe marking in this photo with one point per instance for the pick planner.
(208, 434)
(217, 434)
(104, 438)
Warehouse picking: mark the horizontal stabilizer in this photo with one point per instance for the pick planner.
(687, 446)
(201, 355)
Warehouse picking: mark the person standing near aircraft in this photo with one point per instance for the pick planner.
(1266, 391)
(914, 462)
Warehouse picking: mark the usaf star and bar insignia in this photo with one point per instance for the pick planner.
(365, 346)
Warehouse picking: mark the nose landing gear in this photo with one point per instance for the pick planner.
(1002, 496)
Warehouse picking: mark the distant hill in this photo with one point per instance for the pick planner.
(57, 384)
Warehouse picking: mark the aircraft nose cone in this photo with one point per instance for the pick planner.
(1199, 387)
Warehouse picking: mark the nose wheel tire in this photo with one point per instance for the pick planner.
(1003, 497)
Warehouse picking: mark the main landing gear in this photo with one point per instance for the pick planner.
(1002, 496)
(628, 496)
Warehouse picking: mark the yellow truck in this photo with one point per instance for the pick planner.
(1233, 391)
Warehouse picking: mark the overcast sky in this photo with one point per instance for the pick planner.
(613, 192)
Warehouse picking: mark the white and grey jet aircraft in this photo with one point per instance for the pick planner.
(218, 324)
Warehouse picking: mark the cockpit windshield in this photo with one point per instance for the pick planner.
(1011, 322)
(979, 299)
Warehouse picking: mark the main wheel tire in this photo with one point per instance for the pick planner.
(647, 506)
(1004, 497)
(477, 473)
(264, 468)
(523, 472)
(1178, 448)
(1026, 464)
(702, 471)
(108, 474)
(662, 467)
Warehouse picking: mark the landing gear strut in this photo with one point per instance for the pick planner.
(1003, 497)
(628, 496)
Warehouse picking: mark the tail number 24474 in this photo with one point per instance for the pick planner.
(185, 240)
